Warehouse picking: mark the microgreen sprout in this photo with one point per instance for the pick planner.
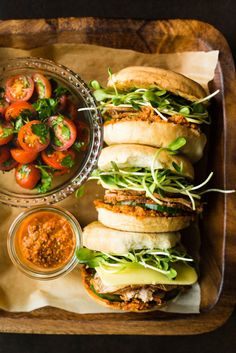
(163, 103)
(155, 181)
(156, 259)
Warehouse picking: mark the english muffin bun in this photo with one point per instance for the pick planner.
(147, 224)
(121, 270)
(157, 134)
(152, 77)
(98, 237)
(132, 155)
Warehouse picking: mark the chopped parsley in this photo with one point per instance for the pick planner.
(60, 91)
(46, 107)
(78, 145)
(68, 162)
(41, 130)
(65, 131)
(46, 179)
(6, 131)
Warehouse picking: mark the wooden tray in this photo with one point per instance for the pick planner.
(218, 253)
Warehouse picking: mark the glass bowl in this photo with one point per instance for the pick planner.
(12, 194)
(23, 236)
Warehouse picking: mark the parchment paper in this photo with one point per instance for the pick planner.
(20, 293)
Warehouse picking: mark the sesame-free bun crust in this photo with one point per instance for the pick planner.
(134, 155)
(148, 224)
(98, 237)
(131, 306)
(157, 134)
(153, 77)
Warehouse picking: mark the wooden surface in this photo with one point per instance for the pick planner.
(218, 253)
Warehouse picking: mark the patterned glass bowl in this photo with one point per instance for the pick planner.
(13, 195)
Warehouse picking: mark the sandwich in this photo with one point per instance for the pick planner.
(146, 189)
(153, 106)
(134, 271)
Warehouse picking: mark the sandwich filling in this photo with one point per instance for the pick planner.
(153, 190)
(116, 104)
(140, 279)
(137, 204)
(121, 114)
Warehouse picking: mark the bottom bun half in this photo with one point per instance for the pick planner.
(155, 224)
(156, 134)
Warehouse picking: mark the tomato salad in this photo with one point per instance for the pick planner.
(41, 132)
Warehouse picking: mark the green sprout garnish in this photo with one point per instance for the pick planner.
(156, 259)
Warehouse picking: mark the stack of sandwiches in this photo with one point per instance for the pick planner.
(132, 256)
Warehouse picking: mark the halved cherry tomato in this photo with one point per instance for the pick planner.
(42, 86)
(83, 134)
(15, 109)
(60, 160)
(22, 156)
(6, 132)
(27, 175)
(4, 154)
(64, 132)
(34, 136)
(19, 88)
(3, 107)
(8, 165)
(68, 107)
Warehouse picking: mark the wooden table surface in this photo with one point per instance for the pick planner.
(222, 16)
(150, 36)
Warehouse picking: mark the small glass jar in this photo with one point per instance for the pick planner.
(34, 242)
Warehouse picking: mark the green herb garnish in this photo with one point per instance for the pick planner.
(65, 131)
(22, 119)
(156, 259)
(41, 130)
(80, 192)
(24, 171)
(78, 145)
(60, 91)
(57, 142)
(68, 162)
(175, 145)
(6, 131)
(41, 89)
(150, 181)
(46, 107)
(161, 101)
(46, 179)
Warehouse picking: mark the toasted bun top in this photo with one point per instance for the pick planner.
(132, 155)
(153, 77)
(98, 237)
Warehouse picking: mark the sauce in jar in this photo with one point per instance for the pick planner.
(45, 240)
(42, 242)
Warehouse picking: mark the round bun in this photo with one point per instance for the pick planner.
(98, 237)
(131, 223)
(131, 155)
(153, 77)
(157, 134)
(119, 305)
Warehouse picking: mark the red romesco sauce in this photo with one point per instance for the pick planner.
(45, 240)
